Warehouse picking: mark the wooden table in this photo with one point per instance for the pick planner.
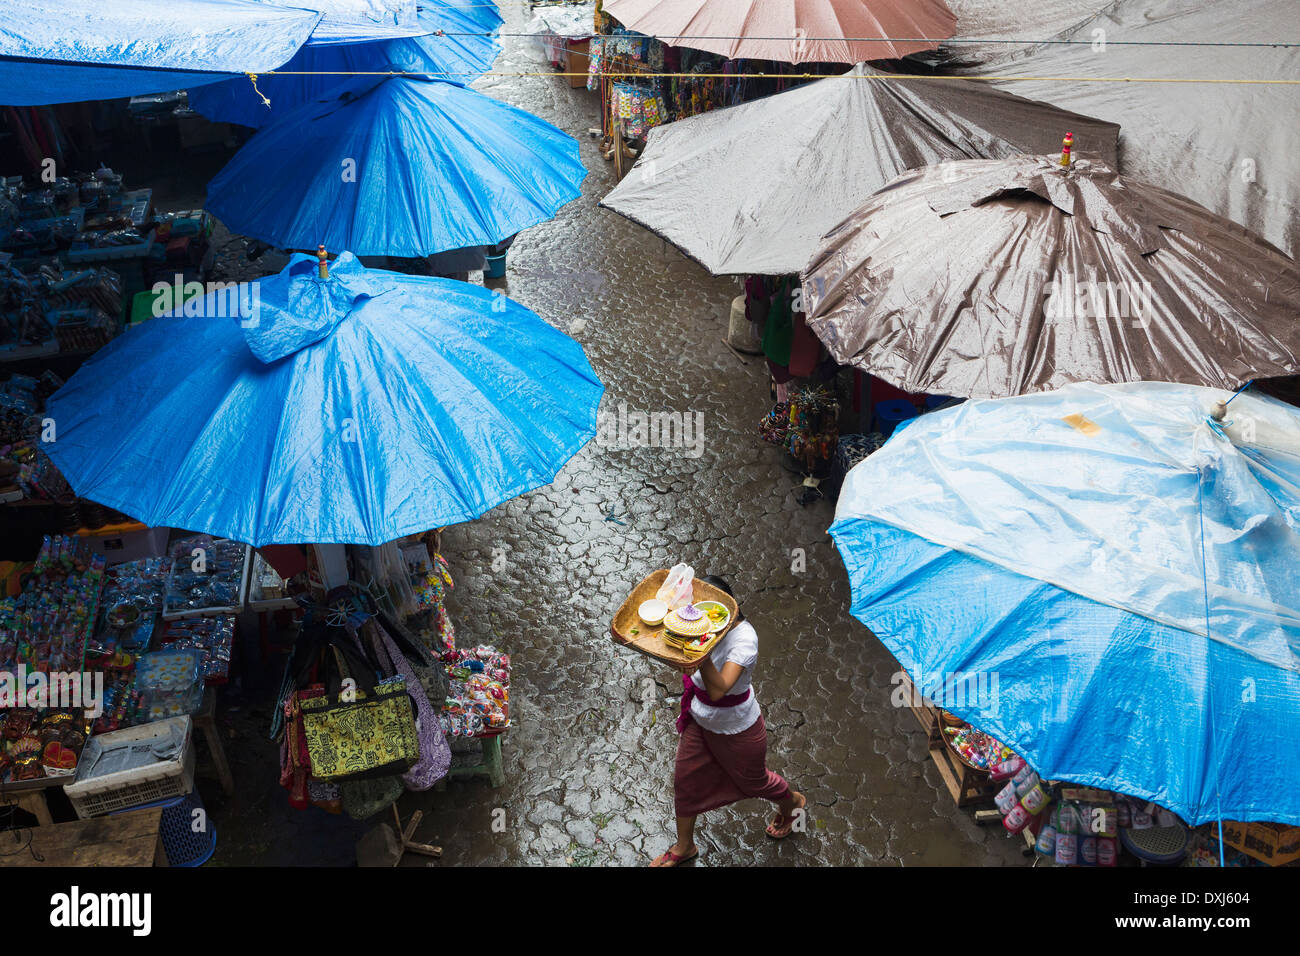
(205, 719)
(124, 839)
(29, 795)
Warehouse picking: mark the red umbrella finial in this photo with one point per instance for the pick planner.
(323, 259)
(1066, 145)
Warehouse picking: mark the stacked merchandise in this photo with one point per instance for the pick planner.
(168, 683)
(46, 626)
(76, 215)
(1070, 825)
(478, 699)
(35, 499)
(133, 598)
(43, 635)
(206, 578)
(46, 307)
(212, 638)
(78, 250)
(26, 472)
(806, 426)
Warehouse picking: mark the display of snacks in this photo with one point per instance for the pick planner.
(47, 626)
(478, 696)
(169, 683)
(214, 637)
(976, 747)
(133, 597)
(207, 577)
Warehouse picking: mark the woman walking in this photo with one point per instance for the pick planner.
(722, 742)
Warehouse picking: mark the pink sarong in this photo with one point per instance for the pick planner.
(714, 770)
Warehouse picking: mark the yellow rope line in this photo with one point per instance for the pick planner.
(989, 78)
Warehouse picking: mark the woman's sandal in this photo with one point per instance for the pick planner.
(673, 859)
(781, 827)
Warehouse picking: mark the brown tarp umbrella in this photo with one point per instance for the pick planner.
(792, 31)
(989, 278)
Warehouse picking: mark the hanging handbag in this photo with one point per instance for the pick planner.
(435, 755)
(366, 734)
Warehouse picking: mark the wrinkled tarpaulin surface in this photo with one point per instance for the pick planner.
(1231, 148)
(469, 47)
(360, 21)
(1053, 543)
(437, 166)
(752, 188)
(1025, 21)
(989, 278)
(54, 52)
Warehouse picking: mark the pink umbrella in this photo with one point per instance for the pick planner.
(792, 31)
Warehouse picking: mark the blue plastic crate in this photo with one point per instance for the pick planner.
(184, 846)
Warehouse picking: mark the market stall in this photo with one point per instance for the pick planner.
(1103, 626)
(371, 594)
(645, 82)
(79, 257)
(1064, 824)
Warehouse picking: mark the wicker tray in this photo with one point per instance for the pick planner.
(650, 640)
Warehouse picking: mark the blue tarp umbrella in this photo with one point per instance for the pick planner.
(54, 52)
(397, 167)
(467, 47)
(1103, 577)
(353, 409)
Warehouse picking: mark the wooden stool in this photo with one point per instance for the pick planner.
(490, 766)
(205, 719)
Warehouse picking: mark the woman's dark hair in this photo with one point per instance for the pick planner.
(722, 585)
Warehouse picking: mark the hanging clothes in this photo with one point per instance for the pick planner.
(778, 336)
(805, 347)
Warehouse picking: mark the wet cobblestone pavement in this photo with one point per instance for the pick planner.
(588, 760)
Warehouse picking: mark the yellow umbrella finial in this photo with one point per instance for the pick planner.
(1066, 145)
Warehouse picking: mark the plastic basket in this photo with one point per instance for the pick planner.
(184, 845)
(128, 789)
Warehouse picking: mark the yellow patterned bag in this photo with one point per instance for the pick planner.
(370, 735)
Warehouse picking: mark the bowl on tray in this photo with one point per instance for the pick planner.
(652, 611)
